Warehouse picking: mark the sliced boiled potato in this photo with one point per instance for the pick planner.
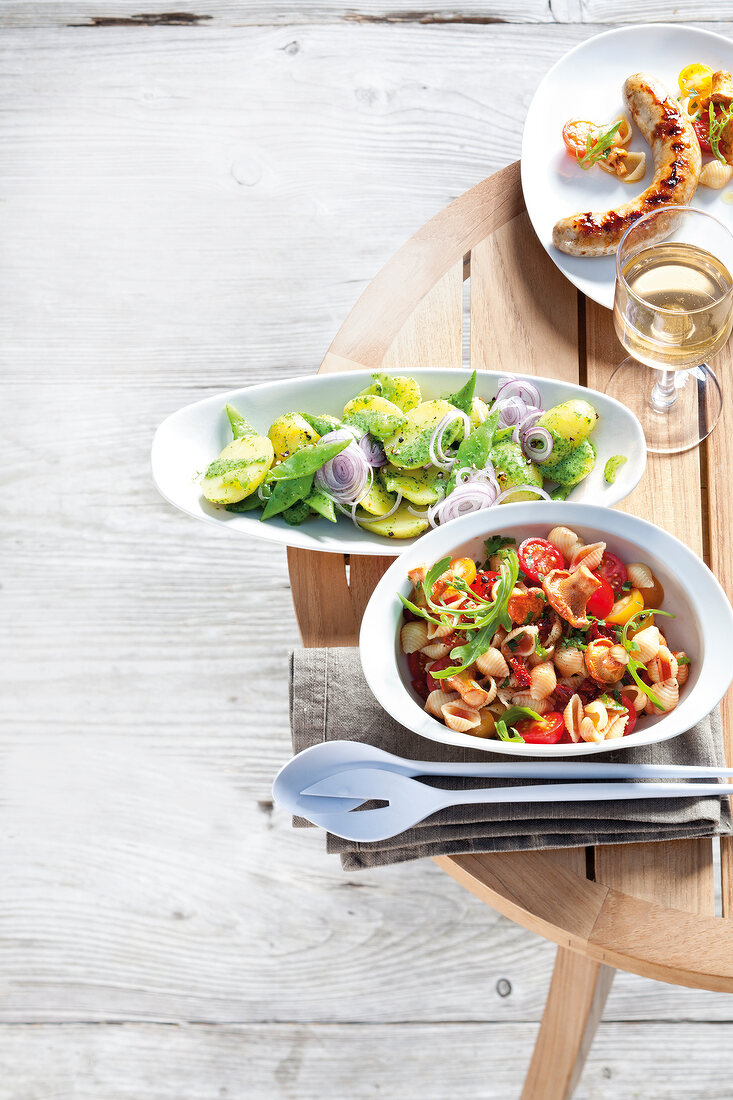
(513, 468)
(421, 487)
(401, 525)
(239, 470)
(373, 414)
(378, 500)
(568, 424)
(409, 448)
(289, 433)
(479, 411)
(574, 467)
(401, 390)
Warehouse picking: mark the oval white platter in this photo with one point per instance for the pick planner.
(191, 438)
(587, 83)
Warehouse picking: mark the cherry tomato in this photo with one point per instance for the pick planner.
(546, 731)
(613, 570)
(483, 584)
(575, 133)
(439, 685)
(702, 129)
(654, 596)
(601, 602)
(537, 557)
(465, 568)
(631, 720)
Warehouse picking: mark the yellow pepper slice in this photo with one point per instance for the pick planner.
(629, 605)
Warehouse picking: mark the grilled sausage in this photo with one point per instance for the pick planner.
(677, 163)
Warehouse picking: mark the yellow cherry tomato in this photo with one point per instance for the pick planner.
(464, 568)
(696, 81)
(625, 608)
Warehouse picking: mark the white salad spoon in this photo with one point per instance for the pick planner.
(411, 801)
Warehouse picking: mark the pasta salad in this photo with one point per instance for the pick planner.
(396, 464)
(552, 641)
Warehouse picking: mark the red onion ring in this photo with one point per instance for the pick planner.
(529, 421)
(471, 497)
(537, 444)
(346, 476)
(373, 450)
(513, 411)
(516, 387)
(435, 448)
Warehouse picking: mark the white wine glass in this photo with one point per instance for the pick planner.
(673, 310)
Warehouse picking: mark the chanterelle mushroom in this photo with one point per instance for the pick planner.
(569, 593)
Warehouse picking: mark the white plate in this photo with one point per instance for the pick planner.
(702, 627)
(191, 438)
(587, 83)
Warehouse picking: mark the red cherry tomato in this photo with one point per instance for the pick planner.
(538, 557)
(613, 570)
(439, 685)
(631, 720)
(575, 133)
(702, 129)
(483, 583)
(602, 600)
(547, 731)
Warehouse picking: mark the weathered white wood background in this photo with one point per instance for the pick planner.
(191, 202)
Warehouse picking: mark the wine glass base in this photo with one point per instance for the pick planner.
(683, 423)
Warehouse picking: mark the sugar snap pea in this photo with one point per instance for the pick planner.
(474, 450)
(297, 513)
(308, 459)
(240, 425)
(322, 504)
(287, 493)
(462, 398)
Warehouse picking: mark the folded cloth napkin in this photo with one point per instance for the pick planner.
(330, 700)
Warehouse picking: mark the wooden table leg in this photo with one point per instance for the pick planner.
(572, 1013)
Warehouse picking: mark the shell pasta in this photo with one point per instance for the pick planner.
(549, 641)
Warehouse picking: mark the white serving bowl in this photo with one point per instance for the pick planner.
(191, 438)
(703, 623)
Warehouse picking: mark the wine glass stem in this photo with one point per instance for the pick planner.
(664, 393)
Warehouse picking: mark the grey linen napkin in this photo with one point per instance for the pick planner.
(330, 700)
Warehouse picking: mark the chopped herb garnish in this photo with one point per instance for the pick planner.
(716, 127)
(496, 543)
(601, 147)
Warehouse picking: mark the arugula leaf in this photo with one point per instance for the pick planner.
(419, 611)
(504, 735)
(511, 715)
(497, 615)
(631, 647)
(463, 398)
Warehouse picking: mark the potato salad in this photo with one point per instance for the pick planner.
(396, 464)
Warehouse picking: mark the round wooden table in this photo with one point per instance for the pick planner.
(646, 908)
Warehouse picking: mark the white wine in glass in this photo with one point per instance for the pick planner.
(673, 310)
